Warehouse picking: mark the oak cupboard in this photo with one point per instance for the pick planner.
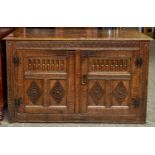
(3, 33)
(77, 75)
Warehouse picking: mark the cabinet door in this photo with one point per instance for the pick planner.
(110, 82)
(45, 81)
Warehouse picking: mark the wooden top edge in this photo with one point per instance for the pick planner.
(78, 34)
(5, 31)
(72, 39)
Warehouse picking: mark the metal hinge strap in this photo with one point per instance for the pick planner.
(139, 61)
(16, 60)
(136, 102)
(18, 101)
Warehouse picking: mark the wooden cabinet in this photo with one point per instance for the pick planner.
(69, 79)
(3, 33)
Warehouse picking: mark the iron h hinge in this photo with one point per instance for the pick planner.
(18, 101)
(139, 61)
(136, 102)
(16, 60)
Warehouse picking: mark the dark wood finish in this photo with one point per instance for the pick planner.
(77, 75)
(3, 33)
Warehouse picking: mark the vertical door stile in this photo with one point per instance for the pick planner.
(136, 82)
(71, 87)
(77, 81)
(108, 93)
(45, 93)
(20, 80)
(84, 82)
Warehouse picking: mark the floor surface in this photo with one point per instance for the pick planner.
(150, 107)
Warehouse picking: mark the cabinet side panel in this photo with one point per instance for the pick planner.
(145, 45)
(10, 47)
(1, 92)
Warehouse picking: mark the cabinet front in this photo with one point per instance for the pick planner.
(110, 82)
(44, 81)
(77, 85)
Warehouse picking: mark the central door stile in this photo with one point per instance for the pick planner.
(84, 82)
(71, 79)
(77, 81)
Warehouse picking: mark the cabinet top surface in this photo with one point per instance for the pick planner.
(75, 34)
(5, 31)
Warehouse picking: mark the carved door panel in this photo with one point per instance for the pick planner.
(110, 82)
(45, 81)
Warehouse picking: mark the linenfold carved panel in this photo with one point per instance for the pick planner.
(109, 65)
(45, 64)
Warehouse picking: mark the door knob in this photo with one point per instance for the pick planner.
(84, 79)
